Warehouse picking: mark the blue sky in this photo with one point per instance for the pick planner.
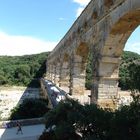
(34, 26)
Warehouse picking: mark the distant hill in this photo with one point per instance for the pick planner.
(22, 70)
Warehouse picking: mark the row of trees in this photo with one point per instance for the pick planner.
(21, 70)
(26, 69)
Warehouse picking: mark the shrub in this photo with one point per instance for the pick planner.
(74, 121)
(30, 108)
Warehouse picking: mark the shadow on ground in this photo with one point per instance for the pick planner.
(31, 127)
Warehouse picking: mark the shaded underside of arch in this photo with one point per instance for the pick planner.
(120, 32)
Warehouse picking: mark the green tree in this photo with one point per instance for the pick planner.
(134, 73)
(21, 70)
(71, 118)
(2, 80)
(22, 74)
(127, 68)
(126, 122)
(89, 71)
(30, 108)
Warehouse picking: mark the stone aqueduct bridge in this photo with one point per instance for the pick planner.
(102, 29)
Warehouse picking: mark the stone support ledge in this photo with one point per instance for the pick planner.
(113, 60)
(107, 103)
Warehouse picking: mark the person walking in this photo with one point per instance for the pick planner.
(19, 129)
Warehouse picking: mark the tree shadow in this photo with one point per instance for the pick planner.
(7, 128)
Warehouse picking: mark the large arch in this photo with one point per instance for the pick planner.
(104, 27)
(111, 52)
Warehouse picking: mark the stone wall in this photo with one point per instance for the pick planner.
(102, 29)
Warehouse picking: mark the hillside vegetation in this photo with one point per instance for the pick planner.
(22, 70)
(129, 71)
(25, 70)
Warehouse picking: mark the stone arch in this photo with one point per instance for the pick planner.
(66, 63)
(50, 70)
(64, 73)
(57, 70)
(106, 26)
(110, 54)
(82, 50)
(66, 57)
(120, 32)
(115, 42)
(81, 54)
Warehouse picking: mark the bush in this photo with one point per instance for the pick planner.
(30, 108)
(126, 122)
(74, 121)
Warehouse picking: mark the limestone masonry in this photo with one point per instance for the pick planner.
(102, 29)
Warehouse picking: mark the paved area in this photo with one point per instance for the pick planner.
(29, 133)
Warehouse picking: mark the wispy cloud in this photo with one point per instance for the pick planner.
(61, 18)
(79, 11)
(82, 5)
(82, 2)
(21, 45)
(133, 47)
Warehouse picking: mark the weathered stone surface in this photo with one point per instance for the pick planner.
(102, 29)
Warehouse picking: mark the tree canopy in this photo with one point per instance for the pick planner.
(29, 108)
(25, 70)
(73, 121)
(129, 71)
(22, 70)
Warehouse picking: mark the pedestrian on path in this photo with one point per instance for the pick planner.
(19, 129)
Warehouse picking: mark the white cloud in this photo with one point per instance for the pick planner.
(133, 47)
(21, 45)
(82, 2)
(61, 18)
(82, 5)
(79, 11)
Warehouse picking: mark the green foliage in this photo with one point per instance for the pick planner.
(64, 116)
(126, 122)
(70, 117)
(30, 108)
(27, 69)
(21, 70)
(129, 71)
(2, 80)
(93, 123)
(134, 73)
(89, 74)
